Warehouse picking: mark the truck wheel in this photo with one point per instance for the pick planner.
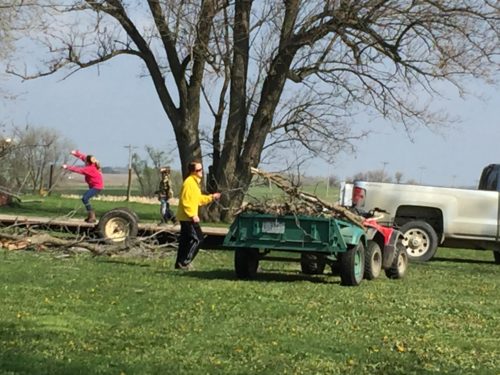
(352, 265)
(496, 255)
(373, 261)
(246, 263)
(400, 263)
(117, 225)
(420, 240)
(312, 264)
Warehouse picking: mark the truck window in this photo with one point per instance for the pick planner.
(490, 178)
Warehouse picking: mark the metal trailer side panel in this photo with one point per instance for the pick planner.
(292, 233)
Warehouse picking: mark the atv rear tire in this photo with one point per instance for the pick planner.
(373, 260)
(400, 264)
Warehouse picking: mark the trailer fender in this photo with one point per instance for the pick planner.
(352, 235)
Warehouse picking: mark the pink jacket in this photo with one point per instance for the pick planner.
(93, 176)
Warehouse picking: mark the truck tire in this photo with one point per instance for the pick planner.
(420, 240)
(496, 255)
(312, 264)
(400, 263)
(352, 265)
(246, 263)
(373, 260)
(117, 225)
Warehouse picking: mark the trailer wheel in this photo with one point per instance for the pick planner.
(312, 264)
(420, 240)
(400, 264)
(373, 261)
(496, 255)
(352, 265)
(246, 263)
(117, 225)
(131, 212)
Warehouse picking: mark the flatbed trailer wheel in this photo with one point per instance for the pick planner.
(352, 265)
(400, 263)
(373, 260)
(117, 225)
(312, 264)
(246, 263)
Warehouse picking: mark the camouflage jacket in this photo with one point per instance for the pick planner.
(165, 188)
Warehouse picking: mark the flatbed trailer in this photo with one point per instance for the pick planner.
(115, 228)
(319, 240)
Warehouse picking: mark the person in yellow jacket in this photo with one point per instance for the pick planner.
(191, 198)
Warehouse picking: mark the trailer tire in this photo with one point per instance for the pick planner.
(131, 212)
(352, 265)
(496, 255)
(246, 263)
(420, 240)
(312, 264)
(400, 264)
(117, 225)
(373, 260)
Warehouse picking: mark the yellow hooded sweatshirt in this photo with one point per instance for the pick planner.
(191, 198)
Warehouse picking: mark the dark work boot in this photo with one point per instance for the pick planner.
(91, 217)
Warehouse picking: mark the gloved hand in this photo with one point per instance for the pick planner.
(74, 152)
(64, 166)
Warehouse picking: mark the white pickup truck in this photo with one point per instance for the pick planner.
(432, 216)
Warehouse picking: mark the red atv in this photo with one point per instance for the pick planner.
(384, 250)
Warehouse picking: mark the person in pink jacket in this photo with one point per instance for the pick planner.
(93, 177)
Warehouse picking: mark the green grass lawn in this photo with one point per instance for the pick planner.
(100, 315)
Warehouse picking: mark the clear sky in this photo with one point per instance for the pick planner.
(104, 109)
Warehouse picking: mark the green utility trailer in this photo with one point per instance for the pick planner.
(319, 240)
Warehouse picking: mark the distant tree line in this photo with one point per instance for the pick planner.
(29, 156)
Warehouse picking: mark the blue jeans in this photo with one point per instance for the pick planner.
(92, 192)
(165, 211)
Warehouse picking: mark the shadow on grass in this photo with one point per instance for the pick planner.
(125, 262)
(460, 260)
(18, 356)
(262, 276)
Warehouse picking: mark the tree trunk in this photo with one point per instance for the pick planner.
(233, 174)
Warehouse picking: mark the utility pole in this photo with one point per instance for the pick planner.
(129, 183)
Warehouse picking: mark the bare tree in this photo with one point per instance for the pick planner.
(292, 72)
(8, 13)
(147, 170)
(377, 175)
(16, 17)
(398, 177)
(27, 165)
